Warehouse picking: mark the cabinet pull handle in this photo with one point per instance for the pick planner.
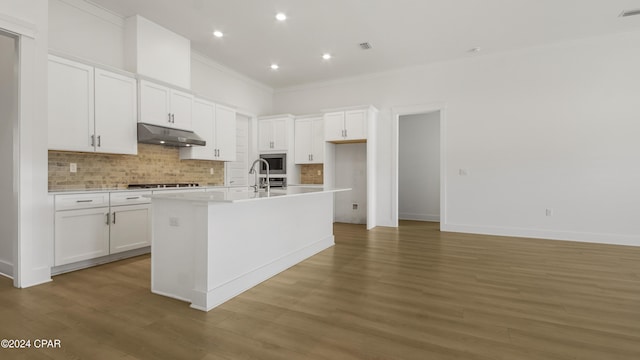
(84, 201)
(114, 217)
(133, 198)
(345, 132)
(99, 140)
(311, 157)
(108, 218)
(173, 118)
(93, 140)
(169, 117)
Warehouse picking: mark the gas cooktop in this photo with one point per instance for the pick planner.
(162, 186)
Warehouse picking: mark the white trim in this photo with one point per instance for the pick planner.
(208, 62)
(396, 112)
(96, 10)
(600, 238)
(6, 269)
(419, 217)
(18, 26)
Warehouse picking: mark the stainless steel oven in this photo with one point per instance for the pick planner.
(277, 164)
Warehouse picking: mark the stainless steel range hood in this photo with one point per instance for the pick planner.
(159, 135)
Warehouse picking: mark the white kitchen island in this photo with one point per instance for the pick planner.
(208, 247)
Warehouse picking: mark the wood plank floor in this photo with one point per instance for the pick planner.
(406, 293)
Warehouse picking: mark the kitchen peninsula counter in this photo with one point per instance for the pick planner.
(209, 247)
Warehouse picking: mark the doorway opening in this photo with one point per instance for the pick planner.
(8, 129)
(423, 161)
(419, 167)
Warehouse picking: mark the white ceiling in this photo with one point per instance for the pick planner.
(402, 33)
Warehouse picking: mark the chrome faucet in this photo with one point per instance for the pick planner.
(252, 170)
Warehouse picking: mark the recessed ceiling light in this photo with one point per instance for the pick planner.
(474, 50)
(218, 34)
(326, 56)
(281, 16)
(274, 67)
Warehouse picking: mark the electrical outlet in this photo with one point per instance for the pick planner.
(211, 171)
(73, 167)
(174, 221)
(548, 212)
(462, 172)
(354, 206)
(319, 172)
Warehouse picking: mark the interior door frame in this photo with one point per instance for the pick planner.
(397, 112)
(252, 138)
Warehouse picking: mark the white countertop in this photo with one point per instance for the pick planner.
(249, 195)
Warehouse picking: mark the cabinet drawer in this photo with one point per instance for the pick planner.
(130, 198)
(81, 201)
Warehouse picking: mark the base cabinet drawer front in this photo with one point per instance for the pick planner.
(130, 227)
(81, 201)
(130, 198)
(81, 235)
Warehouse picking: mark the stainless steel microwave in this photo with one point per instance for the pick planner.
(277, 163)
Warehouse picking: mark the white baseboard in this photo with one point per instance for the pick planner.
(601, 238)
(6, 269)
(419, 217)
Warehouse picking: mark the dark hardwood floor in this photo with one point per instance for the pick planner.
(406, 293)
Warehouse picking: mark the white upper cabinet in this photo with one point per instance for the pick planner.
(216, 124)
(225, 133)
(90, 109)
(348, 125)
(164, 106)
(309, 141)
(70, 106)
(273, 133)
(116, 109)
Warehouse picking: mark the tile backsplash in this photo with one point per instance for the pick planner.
(153, 164)
(312, 174)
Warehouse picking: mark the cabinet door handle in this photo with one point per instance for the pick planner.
(99, 140)
(108, 218)
(93, 140)
(169, 117)
(133, 198)
(345, 132)
(173, 118)
(84, 201)
(311, 157)
(114, 217)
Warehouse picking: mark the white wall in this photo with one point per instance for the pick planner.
(33, 252)
(419, 167)
(351, 172)
(86, 31)
(89, 32)
(8, 104)
(213, 81)
(548, 127)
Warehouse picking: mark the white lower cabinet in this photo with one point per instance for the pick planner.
(130, 222)
(81, 235)
(92, 225)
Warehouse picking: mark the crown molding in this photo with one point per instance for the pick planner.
(97, 11)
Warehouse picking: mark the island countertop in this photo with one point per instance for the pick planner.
(248, 195)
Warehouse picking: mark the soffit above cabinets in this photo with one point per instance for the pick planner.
(401, 33)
